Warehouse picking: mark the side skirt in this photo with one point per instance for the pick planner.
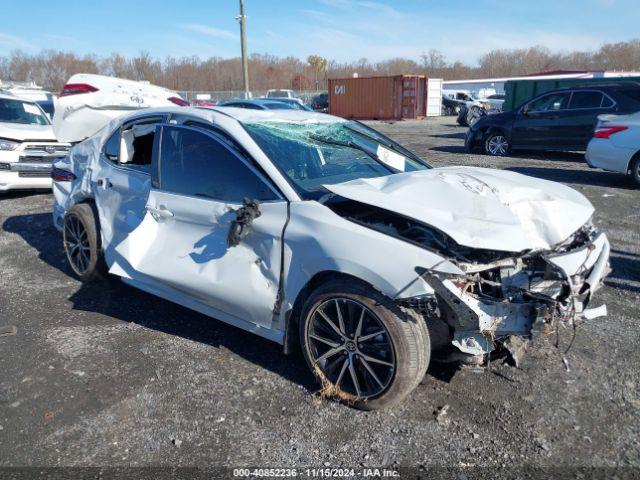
(180, 298)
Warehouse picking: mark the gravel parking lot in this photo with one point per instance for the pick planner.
(107, 375)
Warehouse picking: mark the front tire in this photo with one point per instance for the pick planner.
(81, 240)
(363, 349)
(496, 144)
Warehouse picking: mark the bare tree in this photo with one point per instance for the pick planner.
(52, 69)
(433, 60)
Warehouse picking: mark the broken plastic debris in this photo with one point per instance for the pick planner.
(441, 415)
(474, 343)
(566, 363)
(591, 313)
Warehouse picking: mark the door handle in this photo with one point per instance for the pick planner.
(160, 213)
(104, 183)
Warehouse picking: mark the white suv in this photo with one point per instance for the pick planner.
(28, 146)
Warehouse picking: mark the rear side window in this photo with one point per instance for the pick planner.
(606, 102)
(580, 100)
(112, 147)
(194, 163)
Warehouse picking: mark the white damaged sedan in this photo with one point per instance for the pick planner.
(309, 229)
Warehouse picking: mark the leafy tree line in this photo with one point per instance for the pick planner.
(51, 68)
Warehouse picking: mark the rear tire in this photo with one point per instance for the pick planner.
(338, 327)
(634, 169)
(82, 245)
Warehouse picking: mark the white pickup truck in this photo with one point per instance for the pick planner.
(28, 146)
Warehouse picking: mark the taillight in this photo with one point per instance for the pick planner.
(178, 101)
(60, 175)
(77, 88)
(608, 130)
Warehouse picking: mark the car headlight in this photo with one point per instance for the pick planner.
(8, 145)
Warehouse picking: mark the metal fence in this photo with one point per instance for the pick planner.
(218, 96)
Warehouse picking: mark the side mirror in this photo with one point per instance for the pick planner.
(239, 228)
(525, 109)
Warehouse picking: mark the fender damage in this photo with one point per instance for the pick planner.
(529, 254)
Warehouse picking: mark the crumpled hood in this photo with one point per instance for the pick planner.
(21, 132)
(479, 207)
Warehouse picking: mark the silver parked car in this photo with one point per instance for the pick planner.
(615, 145)
(312, 230)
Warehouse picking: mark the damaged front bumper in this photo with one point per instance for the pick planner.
(512, 298)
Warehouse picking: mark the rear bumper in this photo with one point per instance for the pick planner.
(602, 153)
(25, 179)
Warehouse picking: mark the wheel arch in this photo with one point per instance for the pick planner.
(491, 129)
(292, 316)
(631, 160)
(88, 199)
(494, 130)
(85, 199)
(78, 198)
(91, 201)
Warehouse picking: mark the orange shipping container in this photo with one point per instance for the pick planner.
(378, 98)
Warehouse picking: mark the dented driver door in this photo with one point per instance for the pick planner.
(183, 244)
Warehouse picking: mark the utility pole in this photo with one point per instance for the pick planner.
(243, 45)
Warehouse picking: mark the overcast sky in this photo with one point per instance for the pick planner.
(336, 29)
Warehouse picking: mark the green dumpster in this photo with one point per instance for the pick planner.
(519, 91)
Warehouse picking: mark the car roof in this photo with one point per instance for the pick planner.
(597, 86)
(244, 115)
(9, 96)
(259, 101)
(209, 113)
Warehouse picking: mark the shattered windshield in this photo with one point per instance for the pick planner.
(313, 154)
(18, 111)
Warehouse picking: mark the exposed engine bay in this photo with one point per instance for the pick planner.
(501, 295)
